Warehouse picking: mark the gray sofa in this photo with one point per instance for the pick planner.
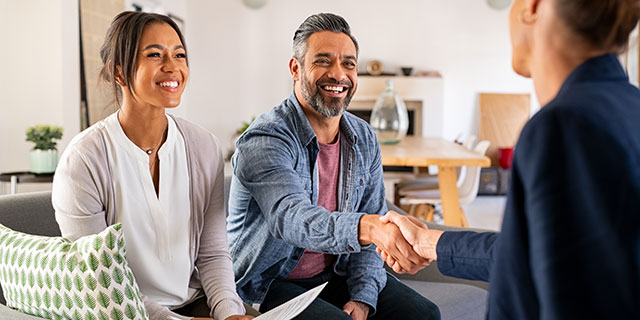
(458, 299)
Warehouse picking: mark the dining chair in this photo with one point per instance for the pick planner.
(421, 203)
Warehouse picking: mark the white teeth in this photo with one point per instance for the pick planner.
(172, 84)
(335, 89)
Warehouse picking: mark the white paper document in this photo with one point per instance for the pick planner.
(293, 307)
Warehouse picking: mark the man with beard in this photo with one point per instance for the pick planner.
(307, 192)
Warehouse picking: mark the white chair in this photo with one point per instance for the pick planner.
(422, 202)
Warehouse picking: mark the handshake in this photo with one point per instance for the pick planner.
(405, 243)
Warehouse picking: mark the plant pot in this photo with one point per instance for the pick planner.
(43, 161)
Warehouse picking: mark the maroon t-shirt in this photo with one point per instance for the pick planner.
(313, 263)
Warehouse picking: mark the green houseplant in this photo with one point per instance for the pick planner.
(44, 156)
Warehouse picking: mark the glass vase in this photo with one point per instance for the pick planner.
(389, 118)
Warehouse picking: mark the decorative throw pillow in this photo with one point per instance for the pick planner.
(54, 278)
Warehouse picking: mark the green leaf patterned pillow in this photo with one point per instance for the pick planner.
(54, 278)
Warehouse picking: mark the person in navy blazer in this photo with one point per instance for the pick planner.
(570, 241)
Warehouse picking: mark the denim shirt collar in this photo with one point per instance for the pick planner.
(305, 131)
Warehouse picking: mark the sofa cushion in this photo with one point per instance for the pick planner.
(30, 213)
(54, 278)
(456, 301)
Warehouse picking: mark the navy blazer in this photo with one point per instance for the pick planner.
(570, 241)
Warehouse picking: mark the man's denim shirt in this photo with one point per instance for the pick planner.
(273, 211)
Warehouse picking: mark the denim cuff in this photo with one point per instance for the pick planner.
(367, 294)
(348, 226)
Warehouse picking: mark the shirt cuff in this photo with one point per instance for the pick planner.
(444, 252)
(368, 295)
(348, 225)
(227, 308)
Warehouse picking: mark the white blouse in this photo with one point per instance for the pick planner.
(156, 228)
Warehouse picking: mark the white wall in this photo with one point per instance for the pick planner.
(239, 55)
(239, 58)
(40, 82)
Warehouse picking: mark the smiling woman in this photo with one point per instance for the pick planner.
(110, 173)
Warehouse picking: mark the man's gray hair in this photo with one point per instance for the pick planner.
(317, 23)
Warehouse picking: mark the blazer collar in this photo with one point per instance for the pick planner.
(602, 68)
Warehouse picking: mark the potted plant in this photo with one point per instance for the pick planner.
(44, 156)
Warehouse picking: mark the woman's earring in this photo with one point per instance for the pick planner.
(527, 17)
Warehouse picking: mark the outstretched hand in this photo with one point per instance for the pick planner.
(387, 236)
(416, 233)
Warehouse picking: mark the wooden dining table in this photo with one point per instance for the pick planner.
(413, 151)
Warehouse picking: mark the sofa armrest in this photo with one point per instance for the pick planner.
(432, 273)
(7, 313)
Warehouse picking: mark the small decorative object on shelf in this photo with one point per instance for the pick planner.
(374, 67)
(389, 117)
(406, 70)
(44, 156)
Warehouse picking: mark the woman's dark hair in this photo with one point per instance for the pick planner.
(604, 24)
(120, 47)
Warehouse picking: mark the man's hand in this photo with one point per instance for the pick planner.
(387, 237)
(423, 240)
(356, 310)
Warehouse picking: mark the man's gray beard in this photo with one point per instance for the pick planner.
(317, 102)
